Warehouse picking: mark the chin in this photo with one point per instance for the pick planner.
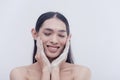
(52, 55)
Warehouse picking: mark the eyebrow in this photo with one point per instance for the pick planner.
(48, 29)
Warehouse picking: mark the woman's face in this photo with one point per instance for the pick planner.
(54, 35)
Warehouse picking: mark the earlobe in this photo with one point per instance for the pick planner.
(34, 33)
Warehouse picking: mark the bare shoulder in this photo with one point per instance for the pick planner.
(18, 73)
(81, 72)
(81, 69)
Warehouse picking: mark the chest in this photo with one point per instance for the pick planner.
(65, 75)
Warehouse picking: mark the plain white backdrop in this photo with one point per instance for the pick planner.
(94, 24)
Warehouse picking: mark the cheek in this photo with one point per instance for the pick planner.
(63, 41)
(43, 37)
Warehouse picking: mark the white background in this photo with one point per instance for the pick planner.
(95, 28)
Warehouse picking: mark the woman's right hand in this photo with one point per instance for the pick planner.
(41, 57)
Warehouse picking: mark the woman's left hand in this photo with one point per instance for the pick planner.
(62, 57)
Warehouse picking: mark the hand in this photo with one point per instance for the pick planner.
(42, 57)
(62, 57)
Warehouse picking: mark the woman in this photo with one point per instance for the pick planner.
(52, 59)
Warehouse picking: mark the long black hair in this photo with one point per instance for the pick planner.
(39, 23)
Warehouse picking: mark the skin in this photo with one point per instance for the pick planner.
(52, 33)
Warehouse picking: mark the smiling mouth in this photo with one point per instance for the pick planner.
(53, 49)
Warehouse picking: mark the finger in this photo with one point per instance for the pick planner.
(39, 43)
(42, 49)
(67, 45)
(40, 46)
(66, 49)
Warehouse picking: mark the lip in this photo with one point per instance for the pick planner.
(52, 49)
(52, 46)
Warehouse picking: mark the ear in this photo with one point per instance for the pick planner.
(34, 33)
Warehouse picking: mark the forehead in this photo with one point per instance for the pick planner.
(54, 23)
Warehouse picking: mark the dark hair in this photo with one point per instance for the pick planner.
(39, 23)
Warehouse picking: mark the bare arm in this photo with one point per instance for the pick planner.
(55, 75)
(45, 74)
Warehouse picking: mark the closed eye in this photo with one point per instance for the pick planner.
(47, 34)
(61, 35)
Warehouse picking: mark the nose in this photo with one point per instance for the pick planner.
(54, 40)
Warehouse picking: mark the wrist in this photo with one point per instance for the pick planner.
(55, 69)
(45, 69)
